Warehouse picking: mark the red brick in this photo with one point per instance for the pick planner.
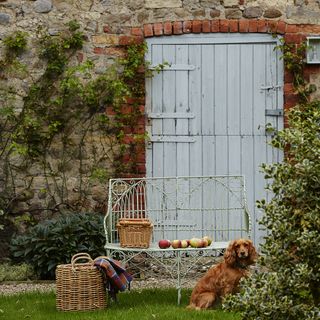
(130, 100)
(224, 25)
(141, 168)
(177, 27)
(126, 109)
(288, 88)
(158, 29)
(253, 25)
(290, 99)
(309, 28)
(98, 50)
(127, 139)
(127, 40)
(106, 29)
(206, 26)
(281, 27)
(243, 25)
(215, 26)
(115, 51)
(311, 69)
(187, 26)
(167, 28)
(292, 28)
(148, 30)
(293, 38)
(233, 26)
(262, 26)
(288, 77)
(137, 31)
(139, 129)
(272, 26)
(110, 111)
(196, 26)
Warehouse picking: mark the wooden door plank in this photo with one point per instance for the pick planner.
(259, 79)
(207, 93)
(233, 89)
(259, 183)
(246, 94)
(157, 89)
(182, 103)
(169, 90)
(220, 92)
(195, 89)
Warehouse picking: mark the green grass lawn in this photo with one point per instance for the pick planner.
(145, 304)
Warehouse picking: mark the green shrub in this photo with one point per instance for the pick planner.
(290, 290)
(20, 272)
(53, 242)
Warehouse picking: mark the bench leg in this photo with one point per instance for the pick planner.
(179, 276)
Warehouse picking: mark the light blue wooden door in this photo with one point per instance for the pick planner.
(208, 110)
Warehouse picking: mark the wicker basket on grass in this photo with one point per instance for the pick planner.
(79, 286)
(135, 233)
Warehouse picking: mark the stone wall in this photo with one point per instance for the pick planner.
(111, 24)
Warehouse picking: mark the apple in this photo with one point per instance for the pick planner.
(195, 243)
(184, 244)
(176, 244)
(208, 239)
(164, 243)
(205, 242)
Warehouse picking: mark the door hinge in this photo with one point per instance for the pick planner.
(179, 139)
(271, 87)
(174, 115)
(274, 112)
(175, 67)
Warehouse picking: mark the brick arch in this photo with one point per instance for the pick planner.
(292, 33)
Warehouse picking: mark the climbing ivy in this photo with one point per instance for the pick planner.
(69, 119)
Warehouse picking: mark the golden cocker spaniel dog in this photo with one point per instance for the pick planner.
(224, 278)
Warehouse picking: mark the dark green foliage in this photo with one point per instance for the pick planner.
(289, 289)
(54, 242)
(16, 43)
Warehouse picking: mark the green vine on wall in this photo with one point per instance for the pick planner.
(294, 59)
(63, 118)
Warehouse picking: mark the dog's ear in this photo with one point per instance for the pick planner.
(253, 255)
(230, 254)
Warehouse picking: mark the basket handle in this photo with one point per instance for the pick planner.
(78, 256)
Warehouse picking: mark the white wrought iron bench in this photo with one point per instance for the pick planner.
(179, 208)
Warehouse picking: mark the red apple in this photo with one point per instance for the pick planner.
(184, 244)
(208, 239)
(176, 244)
(205, 242)
(164, 243)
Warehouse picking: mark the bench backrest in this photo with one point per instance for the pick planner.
(181, 207)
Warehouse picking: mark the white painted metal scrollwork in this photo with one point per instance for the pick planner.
(179, 208)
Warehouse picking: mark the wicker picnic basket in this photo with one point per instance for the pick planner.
(135, 233)
(79, 286)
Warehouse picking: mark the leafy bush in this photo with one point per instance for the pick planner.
(54, 242)
(15, 272)
(290, 289)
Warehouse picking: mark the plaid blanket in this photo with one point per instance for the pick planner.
(116, 278)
